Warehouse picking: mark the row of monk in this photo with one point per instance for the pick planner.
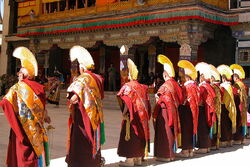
(205, 114)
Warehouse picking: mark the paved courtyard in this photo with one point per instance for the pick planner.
(236, 155)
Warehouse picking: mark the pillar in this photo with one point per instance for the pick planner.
(67, 4)
(102, 60)
(185, 52)
(4, 47)
(77, 2)
(58, 6)
(151, 58)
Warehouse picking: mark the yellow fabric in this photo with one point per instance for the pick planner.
(165, 60)
(225, 70)
(86, 88)
(28, 60)
(30, 111)
(214, 72)
(127, 136)
(218, 112)
(204, 70)
(132, 70)
(243, 101)
(188, 68)
(104, 2)
(241, 70)
(228, 100)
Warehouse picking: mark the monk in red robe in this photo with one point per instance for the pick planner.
(228, 109)
(189, 110)
(207, 115)
(135, 106)
(86, 124)
(240, 97)
(166, 116)
(24, 107)
(215, 83)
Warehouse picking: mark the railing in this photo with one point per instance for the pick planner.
(118, 6)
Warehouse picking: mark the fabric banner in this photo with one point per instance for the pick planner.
(133, 19)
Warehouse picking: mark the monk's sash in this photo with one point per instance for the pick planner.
(30, 112)
(218, 112)
(170, 96)
(210, 104)
(228, 100)
(193, 100)
(243, 102)
(86, 88)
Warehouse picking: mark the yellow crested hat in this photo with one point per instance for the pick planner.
(237, 69)
(168, 66)
(225, 70)
(203, 68)
(28, 60)
(189, 68)
(132, 70)
(84, 58)
(214, 72)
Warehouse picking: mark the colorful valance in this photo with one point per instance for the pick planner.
(133, 19)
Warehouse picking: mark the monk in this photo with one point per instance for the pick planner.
(135, 107)
(24, 107)
(240, 96)
(228, 109)
(166, 116)
(215, 83)
(86, 124)
(189, 110)
(207, 115)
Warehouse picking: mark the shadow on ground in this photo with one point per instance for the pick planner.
(152, 162)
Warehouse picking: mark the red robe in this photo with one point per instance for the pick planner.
(206, 114)
(227, 104)
(20, 151)
(189, 113)
(207, 97)
(240, 98)
(167, 123)
(191, 93)
(82, 137)
(135, 97)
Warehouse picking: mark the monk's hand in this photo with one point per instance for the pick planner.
(74, 99)
(47, 119)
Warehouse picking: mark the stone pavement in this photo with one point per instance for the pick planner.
(231, 156)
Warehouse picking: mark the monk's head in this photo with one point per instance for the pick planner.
(22, 74)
